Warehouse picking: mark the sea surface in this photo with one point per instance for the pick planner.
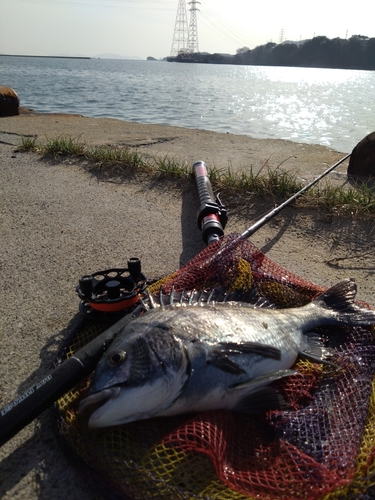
(330, 107)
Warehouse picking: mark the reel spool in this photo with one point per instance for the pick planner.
(109, 294)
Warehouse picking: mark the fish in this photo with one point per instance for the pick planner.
(208, 355)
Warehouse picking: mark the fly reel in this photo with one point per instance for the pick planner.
(109, 294)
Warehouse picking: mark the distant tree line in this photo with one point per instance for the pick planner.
(357, 52)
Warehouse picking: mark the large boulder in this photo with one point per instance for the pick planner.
(362, 160)
(9, 102)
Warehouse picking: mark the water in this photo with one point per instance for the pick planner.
(334, 108)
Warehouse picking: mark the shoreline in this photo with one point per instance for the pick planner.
(48, 57)
(218, 150)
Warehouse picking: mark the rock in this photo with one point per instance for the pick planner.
(9, 102)
(362, 160)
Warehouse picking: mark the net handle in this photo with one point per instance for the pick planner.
(261, 222)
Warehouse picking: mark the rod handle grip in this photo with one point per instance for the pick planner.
(205, 193)
(212, 215)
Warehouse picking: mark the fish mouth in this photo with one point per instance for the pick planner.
(93, 403)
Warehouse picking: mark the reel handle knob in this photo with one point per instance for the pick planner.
(86, 285)
(134, 267)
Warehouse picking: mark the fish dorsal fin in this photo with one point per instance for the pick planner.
(251, 298)
(182, 296)
(151, 301)
(208, 297)
(190, 298)
(172, 297)
(339, 297)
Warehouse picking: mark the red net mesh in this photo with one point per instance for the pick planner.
(234, 263)
(323, 446)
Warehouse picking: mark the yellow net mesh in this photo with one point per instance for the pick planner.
(323, 447)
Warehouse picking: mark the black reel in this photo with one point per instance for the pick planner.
(110, 294)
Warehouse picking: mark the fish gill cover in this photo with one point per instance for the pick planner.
(322, 447)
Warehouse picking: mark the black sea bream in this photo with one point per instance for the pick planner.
(185, 358)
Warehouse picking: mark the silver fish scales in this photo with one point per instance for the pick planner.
(198, 354)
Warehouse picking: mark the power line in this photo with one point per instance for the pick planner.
(222, 29)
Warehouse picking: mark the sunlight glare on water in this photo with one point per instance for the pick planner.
(309, 104)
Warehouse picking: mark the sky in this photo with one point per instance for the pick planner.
(142, 28)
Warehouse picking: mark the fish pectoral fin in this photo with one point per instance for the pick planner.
(265, 379)
(260, 397)
(261, 401)
(219, 355)
(222, 361)
(258, 348)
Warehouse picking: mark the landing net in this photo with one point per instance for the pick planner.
(322, 447)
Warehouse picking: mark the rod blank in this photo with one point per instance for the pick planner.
(261, 222)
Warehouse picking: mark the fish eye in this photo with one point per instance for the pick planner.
(116, 358)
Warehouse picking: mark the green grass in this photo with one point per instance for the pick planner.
(349, 200)
(270, 183)
(28, 144)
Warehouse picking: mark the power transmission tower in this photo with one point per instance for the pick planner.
(181, 31)
(193, 30)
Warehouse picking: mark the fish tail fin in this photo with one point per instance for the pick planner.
(340, 300)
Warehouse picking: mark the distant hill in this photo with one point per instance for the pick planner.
(357, 52)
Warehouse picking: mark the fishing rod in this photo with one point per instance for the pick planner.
(210, 215)
(261, 222)
(212, 219)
